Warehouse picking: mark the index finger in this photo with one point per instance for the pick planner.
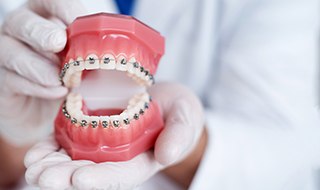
(39, 33)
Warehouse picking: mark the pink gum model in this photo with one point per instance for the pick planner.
(109, 43)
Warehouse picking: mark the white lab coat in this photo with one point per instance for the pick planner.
(255, 65)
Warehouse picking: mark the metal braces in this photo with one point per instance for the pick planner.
(105, 124)
(106, 60)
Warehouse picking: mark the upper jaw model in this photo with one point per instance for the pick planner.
(108, 63)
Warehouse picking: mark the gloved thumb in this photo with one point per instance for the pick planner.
(181, 132)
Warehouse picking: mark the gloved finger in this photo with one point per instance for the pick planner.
(58, 177)
(39, 33)
(53, 57)
(177, 137)
(184, 121)
(40, 150)
(67, 11)
(34, 171)
(116, 175)
(27, 63)
(15, 84)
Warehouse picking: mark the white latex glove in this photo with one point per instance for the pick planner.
(49, 167)
(29, 84)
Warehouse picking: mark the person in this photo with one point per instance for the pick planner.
(252, 64)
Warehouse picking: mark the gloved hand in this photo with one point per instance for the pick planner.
(49, 167)
(29, 84)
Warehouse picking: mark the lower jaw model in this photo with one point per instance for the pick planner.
(110, 116)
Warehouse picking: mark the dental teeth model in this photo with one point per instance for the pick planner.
(116, 45)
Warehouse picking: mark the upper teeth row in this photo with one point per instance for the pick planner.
(70, 75)
(137, 107)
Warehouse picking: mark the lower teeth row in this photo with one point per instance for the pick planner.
(105, 123)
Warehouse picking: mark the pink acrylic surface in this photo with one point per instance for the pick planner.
(100, 145)
(101, 34)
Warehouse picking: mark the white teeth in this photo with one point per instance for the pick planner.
(141, 71)
(138, 99)
(141, 107)
(74, 104)
(78, 116)
(94, 121)
(105, 121)
(85, 121)
(74, 73)
(125, 117)
(149, 80)
(136, 109)
(78, 65)
(134, 100)
(122, 63)
(108, 62)
(92, 62)
(145, 97)
(144, 76)
(115, 120)
(71, 77)
(76, 96)
(71, 73)
(136, 69)
(66, 78)
(137, 72)
(124, 114)
(77, 105)
(133, 113)
(75, 79)
(130, 112)
(137, 105)
(71, 61)
(130, 64)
